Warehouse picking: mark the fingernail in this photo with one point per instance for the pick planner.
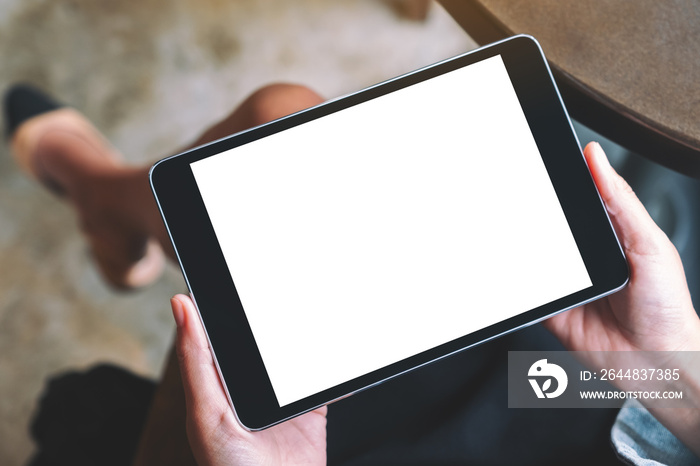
(178, 312)
(597, 155)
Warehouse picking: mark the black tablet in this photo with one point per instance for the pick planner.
(343, 245)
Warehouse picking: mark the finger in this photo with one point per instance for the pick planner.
(656, 271)
(204, 394)
(635, 228)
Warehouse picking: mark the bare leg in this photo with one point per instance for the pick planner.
(267, 104)
(114, 203)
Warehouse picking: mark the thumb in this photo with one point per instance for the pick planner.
(657, 280)
(636, 230)
(204, 394)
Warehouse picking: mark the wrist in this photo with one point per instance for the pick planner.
(684, 422)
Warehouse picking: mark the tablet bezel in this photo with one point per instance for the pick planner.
(203, 265)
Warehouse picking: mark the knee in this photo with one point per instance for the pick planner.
(278, 100)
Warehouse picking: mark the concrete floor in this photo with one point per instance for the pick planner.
(152, 74)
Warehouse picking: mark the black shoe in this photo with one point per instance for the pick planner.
(22, 102)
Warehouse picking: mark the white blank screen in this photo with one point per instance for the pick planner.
(372, 234)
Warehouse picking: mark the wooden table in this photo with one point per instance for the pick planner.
(628, 69)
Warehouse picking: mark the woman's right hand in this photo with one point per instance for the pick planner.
(654, 313)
